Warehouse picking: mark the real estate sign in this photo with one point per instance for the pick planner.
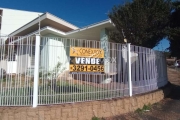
(86, 59)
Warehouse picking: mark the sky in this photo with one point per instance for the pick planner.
(163, 45)
(78, 12)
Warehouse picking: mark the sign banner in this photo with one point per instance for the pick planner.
(86, 60)
(86, 52)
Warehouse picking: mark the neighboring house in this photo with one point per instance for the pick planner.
(11, 19)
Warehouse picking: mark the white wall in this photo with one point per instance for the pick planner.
(57, 53)
(11, 67)
(54, 50)
(3, 67)
(7, 67)
(44, 54)
(14, 19)
(23, 59)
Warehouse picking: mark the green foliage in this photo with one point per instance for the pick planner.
(95, 118)
(3, 79)
(144, 22)
(140, 111)
(145, 108)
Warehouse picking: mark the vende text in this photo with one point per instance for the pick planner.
(87, 61)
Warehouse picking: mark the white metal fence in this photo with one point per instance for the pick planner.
(16, 83)
(28, 78)
(149, 70)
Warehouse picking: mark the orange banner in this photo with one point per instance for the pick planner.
(86, 52)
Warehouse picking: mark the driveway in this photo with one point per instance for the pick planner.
(167, 109)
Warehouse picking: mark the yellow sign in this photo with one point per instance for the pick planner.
(86, 52)
(86, 68)
(86, 59)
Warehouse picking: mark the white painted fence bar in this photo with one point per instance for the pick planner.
(35, 71)
(129, 68)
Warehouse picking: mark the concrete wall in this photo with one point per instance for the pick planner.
(7, 67)
(58, 53)
(23, 58)
(14, 19)
(3, 67)
(44, 52)
(11, 67)
(3, 64)
(54, 50)
(83, 110)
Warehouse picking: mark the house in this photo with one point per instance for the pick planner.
(51, 28)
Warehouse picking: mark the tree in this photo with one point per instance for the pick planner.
(142, 21)
(174, 30)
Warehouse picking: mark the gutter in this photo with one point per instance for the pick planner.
(36, 21)
(89, 26)
(65, 33)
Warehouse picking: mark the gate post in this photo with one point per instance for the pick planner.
(129, 68)
(36, 71)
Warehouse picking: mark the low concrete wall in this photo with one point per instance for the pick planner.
(84, 110)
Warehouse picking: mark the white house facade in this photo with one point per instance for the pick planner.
(58, 33)
(57, 37)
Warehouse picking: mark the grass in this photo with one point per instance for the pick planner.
(96, 118)
(48, 94)
(144, 109)
(16, 96)
(73, 93)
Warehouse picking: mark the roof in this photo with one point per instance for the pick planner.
(51, 24)
(91, 32)
(45, 19)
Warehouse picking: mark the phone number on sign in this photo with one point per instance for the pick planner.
(86, 68)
